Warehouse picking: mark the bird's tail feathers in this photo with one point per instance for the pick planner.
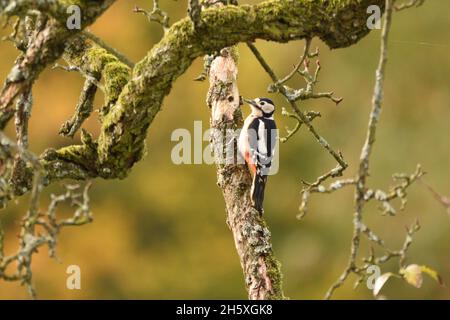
(257, 191)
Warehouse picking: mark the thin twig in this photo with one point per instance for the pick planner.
(156, 15)
(299, 64)
(310, 114)
(410, 4)
(443, 200)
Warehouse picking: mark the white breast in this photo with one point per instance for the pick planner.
(243, 144)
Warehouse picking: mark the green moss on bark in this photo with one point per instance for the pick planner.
(275, 274)
(101, 64)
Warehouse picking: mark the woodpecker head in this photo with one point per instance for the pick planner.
(262, 107)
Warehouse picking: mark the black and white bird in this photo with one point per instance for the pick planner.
(256, 144)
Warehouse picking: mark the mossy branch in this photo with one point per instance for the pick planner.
(44, 48)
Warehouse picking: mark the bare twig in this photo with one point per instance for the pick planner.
(443, 200)
(31, 240)
(311, 116)
(401, 254)
(409, 4)
(156, 15)
(308, 92)
(397, 191)
(299, 64)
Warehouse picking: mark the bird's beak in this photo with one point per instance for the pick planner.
(251, 102)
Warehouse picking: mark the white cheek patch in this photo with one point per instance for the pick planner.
(268, 108)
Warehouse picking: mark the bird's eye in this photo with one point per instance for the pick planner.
(263, 103)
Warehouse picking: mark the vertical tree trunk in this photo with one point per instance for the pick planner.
(251, 235)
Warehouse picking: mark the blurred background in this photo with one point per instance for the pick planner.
(161, 233)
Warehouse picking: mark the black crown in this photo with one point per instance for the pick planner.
(267, 100)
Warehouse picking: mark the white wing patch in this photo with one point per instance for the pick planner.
(262, 141)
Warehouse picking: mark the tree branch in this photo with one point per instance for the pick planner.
(45, 48)
(80, 161)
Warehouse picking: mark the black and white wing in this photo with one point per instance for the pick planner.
(262, 141)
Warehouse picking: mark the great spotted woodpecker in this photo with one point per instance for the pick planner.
(256, 144)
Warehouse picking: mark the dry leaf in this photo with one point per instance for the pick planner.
(413, 275)
(380, 282)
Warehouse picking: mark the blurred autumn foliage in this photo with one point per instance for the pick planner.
(161, 232)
